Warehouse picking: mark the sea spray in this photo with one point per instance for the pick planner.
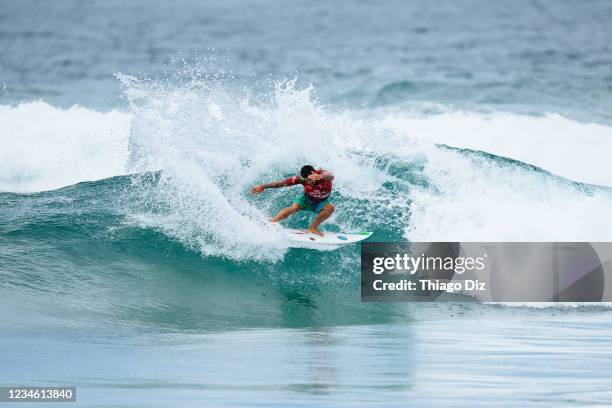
(212, 143)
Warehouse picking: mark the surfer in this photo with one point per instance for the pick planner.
(317, 188)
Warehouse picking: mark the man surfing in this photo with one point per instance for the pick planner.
(317, 188)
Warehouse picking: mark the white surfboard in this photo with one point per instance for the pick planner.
(328, 238)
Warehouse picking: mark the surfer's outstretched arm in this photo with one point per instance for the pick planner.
(273, 184)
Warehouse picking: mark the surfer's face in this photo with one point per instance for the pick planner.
(309, 181)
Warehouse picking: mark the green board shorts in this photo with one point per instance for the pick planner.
(306, 204)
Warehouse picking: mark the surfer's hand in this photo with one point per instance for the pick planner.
(257, 189)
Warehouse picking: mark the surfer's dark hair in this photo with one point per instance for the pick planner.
(306, 171)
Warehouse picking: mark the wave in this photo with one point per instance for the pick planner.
(66, 146)
(80, 259)
(45, 147)
(196, 148)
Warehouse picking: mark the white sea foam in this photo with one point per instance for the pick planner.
(575, 150)
(477, 198)
(44, 147)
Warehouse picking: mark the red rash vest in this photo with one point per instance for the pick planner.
(316, 193)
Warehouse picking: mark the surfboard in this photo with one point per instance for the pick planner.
(328, 238)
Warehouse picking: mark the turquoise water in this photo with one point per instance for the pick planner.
(135, 265)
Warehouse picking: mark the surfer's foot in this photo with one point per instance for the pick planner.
(315, 231)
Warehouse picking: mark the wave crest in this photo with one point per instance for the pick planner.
(208, 142)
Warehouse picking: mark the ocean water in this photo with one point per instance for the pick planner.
(132, 259)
